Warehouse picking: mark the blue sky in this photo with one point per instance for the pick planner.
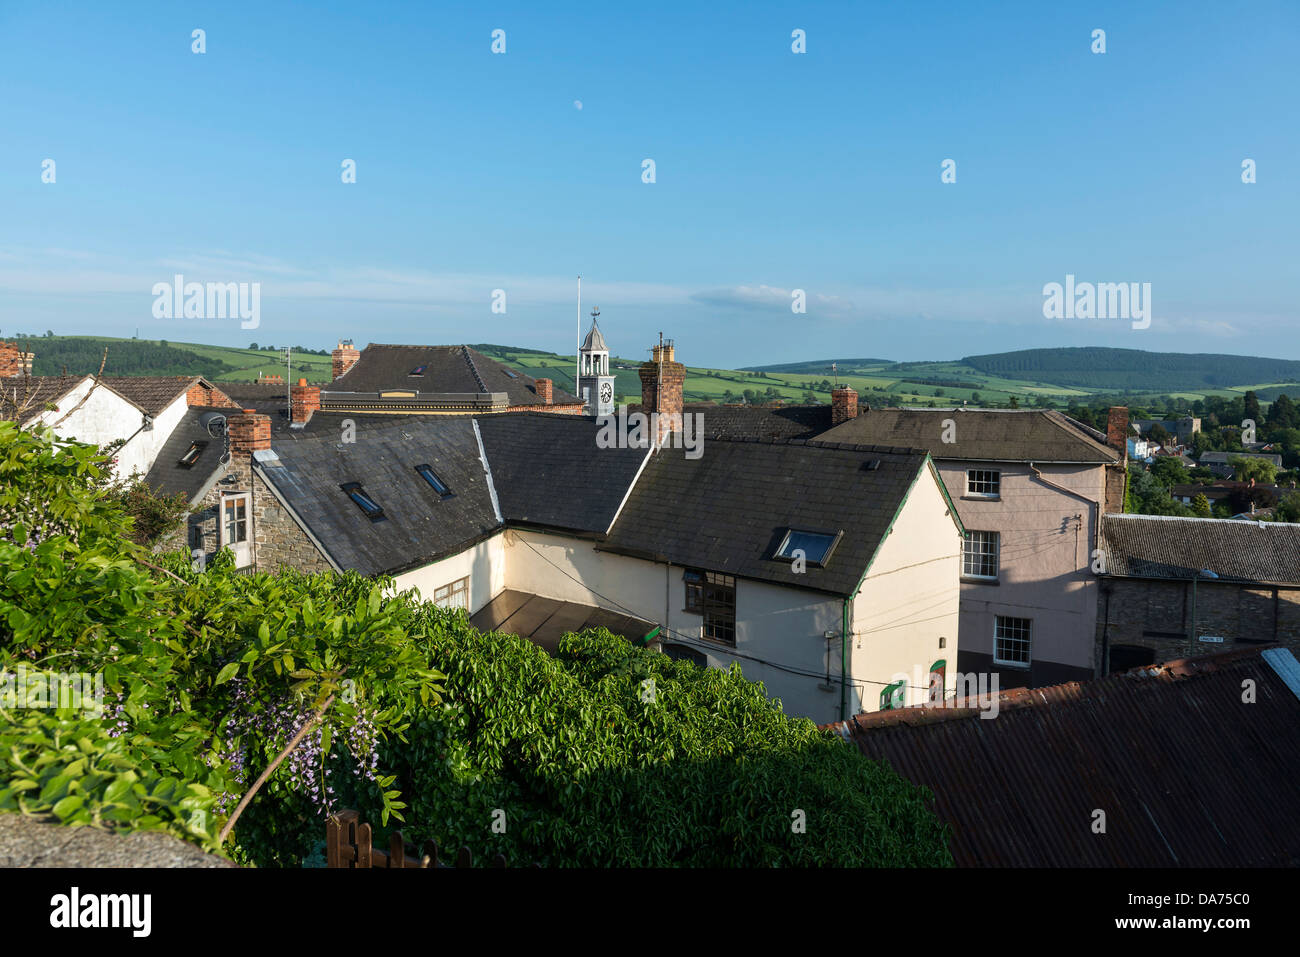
(774, 171)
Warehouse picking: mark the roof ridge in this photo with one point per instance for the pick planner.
(466, 351)
(1056, 418)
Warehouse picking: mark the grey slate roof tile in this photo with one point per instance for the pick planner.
(1161, 546)
(549, 471)
(446, 370)
(1002, 435)
(169, 477)
(418, 527)
(728, 510)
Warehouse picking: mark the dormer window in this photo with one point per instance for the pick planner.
(814, 548)
(192, 454)
(438, 485)
(373, 510)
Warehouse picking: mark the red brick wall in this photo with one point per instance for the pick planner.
(844, 405)
(248, 432)
(304, 400)
(344, 358)
(11, 360)
(200, 394)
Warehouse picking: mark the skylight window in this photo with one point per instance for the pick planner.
(192, 454)
(438, 485)
(512, 373)
(374, 511)
(418, 370)
(816, 547)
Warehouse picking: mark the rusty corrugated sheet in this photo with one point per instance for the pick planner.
(1187, 772)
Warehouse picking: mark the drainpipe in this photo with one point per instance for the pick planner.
(844, 665)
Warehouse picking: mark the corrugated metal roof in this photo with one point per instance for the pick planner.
(1189, 769)
(1166, 546)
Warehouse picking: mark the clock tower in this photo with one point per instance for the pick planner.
(595, 385)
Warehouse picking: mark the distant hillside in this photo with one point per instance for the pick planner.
(82, 355)
(818, 366)
(1103, 369)
(132, 357)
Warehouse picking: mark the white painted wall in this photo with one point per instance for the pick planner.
(142, 451)
(484, 564)
(910, 599)
(104, 418)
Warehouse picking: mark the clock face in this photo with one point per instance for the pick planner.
(606, 392)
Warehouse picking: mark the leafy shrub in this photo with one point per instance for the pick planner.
(588, 773)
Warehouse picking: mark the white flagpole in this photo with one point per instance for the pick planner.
(577, 355)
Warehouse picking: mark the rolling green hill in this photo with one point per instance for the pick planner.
(1032, 376)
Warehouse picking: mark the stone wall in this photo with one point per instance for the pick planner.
(1157, 616)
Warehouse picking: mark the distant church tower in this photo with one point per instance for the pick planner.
(596, 385)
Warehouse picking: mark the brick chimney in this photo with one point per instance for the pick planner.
(662, 379)
(1117, 430)
(345, 357)
(249, 432)
(13, 361)
(844, 404)
(304, 399)
(545, 389)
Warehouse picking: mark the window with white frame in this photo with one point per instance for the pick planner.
(983, 483)
(980, 556)
(455, 595)
(1011, 637)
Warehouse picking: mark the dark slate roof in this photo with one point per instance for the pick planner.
(994, 435)
(728, 510)
(266, 397)
(545, 620)
(152, 393)
(548, 470)
(454, 370)
(169, 477)
(1188, 776)
(758, 421)
(35, 392)
(418, 527)
(1162, 546)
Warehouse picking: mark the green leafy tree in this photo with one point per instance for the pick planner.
(1201, 505)
(1288, 509)
(1250, 408)
(1169, 471)
(1244, 469)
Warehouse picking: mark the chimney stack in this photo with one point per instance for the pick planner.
(345, 357)
(844, 404)
(545, 390)
(304, 399)
(1117, 430)
(662, 379)
(13, 361)
(249, 432)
